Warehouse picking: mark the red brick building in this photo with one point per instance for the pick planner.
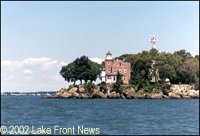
(112, 66)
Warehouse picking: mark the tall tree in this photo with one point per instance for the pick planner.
(80, 69)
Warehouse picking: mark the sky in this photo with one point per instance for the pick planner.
(38, 38)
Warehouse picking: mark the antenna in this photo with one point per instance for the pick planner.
(153, 41)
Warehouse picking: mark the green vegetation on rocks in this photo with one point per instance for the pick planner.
(117, 87)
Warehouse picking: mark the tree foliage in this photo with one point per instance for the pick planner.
(179, 67)
(117, 87)
(81, 69)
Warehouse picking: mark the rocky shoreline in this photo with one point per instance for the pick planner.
(180, 91)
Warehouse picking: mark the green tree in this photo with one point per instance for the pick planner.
(81, 69)
(183, 53)
(169, 65)
(117, 87)
(68, 73)
(179, 66)
(190, 70)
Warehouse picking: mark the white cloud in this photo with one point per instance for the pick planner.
(41, 62)
(62, 63)
(97, 60)
(10, 65)
(11, 77)
(27, 71)
(33, 74)
(57, 78)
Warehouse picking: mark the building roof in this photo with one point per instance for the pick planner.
(120, 61)
(113, 74)
(108, 53)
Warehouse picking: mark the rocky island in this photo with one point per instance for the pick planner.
(184, 91)
(146, 75)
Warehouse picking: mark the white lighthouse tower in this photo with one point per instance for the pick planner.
(109, 56)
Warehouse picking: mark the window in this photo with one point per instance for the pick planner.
(109, 70)
(124, 77)
(125, 70)
(114, 78)
(109, 77)
(115, 70)
(120, 70)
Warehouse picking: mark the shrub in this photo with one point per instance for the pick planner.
(103, 86)
(117, 87)
(89, 86)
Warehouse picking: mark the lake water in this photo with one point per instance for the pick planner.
(100, 116)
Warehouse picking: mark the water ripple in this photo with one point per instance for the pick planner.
(134, 116)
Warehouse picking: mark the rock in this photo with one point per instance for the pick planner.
(98, 94)
(157, 96)
(128, 96)
(73, 89)
(181, 91)
(75, 95)
(174, 96)
(154, 95)
(61, 91)
(148, 96)
(184, 91)
(185, 97)
(122, 96)
(71, 86)
(139, 96)
(141, 91)
(66, 95)
(165, 96)
(190, 94)
(108, 92)
(102, 95)
(128, 89)
(113, 95)
(118, 95)
(83, 95)
(129, 93)
(81, 89)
